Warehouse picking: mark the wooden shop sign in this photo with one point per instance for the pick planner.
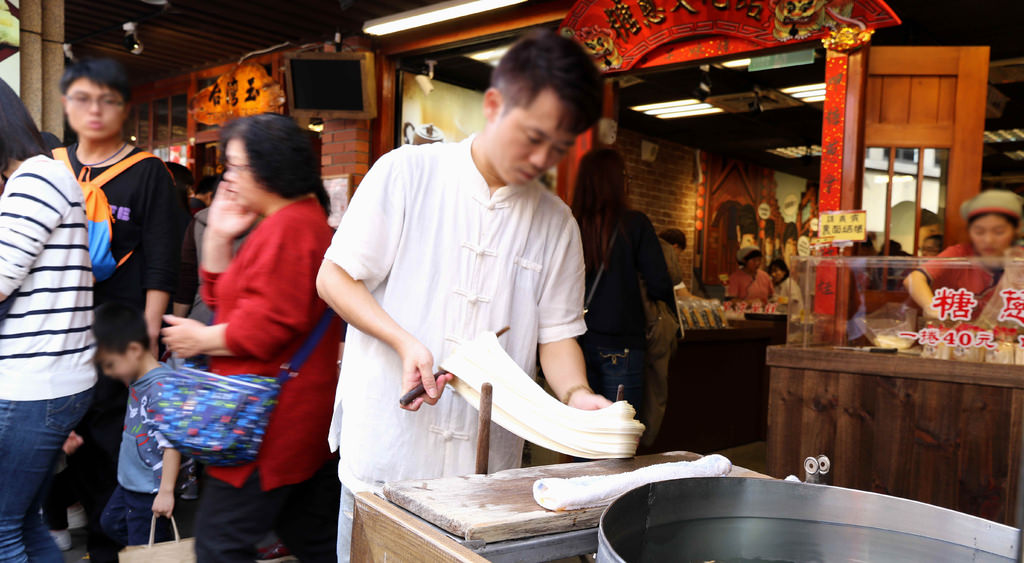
(623, 34)
(245, 90)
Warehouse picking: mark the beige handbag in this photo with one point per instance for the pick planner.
(662, 325)
(177, 551)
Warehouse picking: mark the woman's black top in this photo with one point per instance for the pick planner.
(615, 317)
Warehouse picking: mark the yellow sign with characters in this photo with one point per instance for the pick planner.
(246, 90)
(834, 226)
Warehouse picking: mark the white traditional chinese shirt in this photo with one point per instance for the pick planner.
(446, 259)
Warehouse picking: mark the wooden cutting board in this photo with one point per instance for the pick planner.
(500, 506)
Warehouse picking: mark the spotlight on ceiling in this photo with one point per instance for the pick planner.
(703, 89)
(131, 38)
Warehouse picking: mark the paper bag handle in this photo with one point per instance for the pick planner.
(152, 530)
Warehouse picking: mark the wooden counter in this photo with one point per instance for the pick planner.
(716, 372)
(943, 432)
(430, 520)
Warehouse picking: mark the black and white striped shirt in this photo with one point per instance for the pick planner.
(46, 342)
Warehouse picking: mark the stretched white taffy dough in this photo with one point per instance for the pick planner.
(555, 493)
(522, 407)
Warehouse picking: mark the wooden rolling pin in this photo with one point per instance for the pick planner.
(419, 390)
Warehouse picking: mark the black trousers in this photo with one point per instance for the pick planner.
(231, 521)
(92, 470)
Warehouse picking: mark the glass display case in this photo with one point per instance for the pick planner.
(967, 309)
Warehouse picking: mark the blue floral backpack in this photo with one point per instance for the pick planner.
(220, 420)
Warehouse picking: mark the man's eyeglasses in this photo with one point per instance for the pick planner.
(85, 101)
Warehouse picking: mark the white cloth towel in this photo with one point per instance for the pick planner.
(582, 492)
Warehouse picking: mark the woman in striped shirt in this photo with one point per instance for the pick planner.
(46, 371)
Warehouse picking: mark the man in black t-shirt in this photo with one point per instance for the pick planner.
(95, 98)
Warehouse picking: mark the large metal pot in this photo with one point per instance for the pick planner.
(735, 519)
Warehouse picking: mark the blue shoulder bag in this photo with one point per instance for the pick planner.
(220, 420)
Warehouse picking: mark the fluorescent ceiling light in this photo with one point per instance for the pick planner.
(490, 56)
(805, 88)
(676, 109)
(1004, 136)
(809, 93)
(690, 113)
(432, 14)
(736, 63)
(663, 105)
(801, 151)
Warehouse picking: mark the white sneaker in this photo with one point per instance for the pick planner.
(76, 517)
(62, 538)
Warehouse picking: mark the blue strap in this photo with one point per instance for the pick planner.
(291, 369)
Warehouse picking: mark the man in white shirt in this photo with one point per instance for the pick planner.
(444, 241)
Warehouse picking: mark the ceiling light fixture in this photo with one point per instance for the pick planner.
(131, 38)
(490, 56)
(690, 112)
(703, 89)
(665, 105)
(809, 93)
(1004, 136)
(426, 81)
(803, 151)
(736, 63)
(429, 15)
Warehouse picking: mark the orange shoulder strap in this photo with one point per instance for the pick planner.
(61, 154)
(119, 167)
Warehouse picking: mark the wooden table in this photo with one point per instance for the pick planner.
(451, 519)
(712, 372)
(937, 431)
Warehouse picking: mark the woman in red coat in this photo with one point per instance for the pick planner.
(265, 305)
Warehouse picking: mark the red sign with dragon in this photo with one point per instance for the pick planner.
(626, 34)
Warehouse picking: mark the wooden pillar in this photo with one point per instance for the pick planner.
(842, 134)
(842, 168)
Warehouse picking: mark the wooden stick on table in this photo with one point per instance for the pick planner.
(483, 437)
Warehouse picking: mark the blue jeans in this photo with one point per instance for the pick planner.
(31, 436)
(607, 368)
(128, 517)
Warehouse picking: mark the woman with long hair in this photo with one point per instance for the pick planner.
(46, 347)
(619, 248)
(265, 306)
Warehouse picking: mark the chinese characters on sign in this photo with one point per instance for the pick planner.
(636, 32)
(954, 304)
(245, 90)
(843, 226)
(958, 305)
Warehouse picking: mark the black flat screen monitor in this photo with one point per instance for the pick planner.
(331, 85)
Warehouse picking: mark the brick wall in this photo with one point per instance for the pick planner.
(345, 148)
(666, 189)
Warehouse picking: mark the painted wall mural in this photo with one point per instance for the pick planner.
(749, 205)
